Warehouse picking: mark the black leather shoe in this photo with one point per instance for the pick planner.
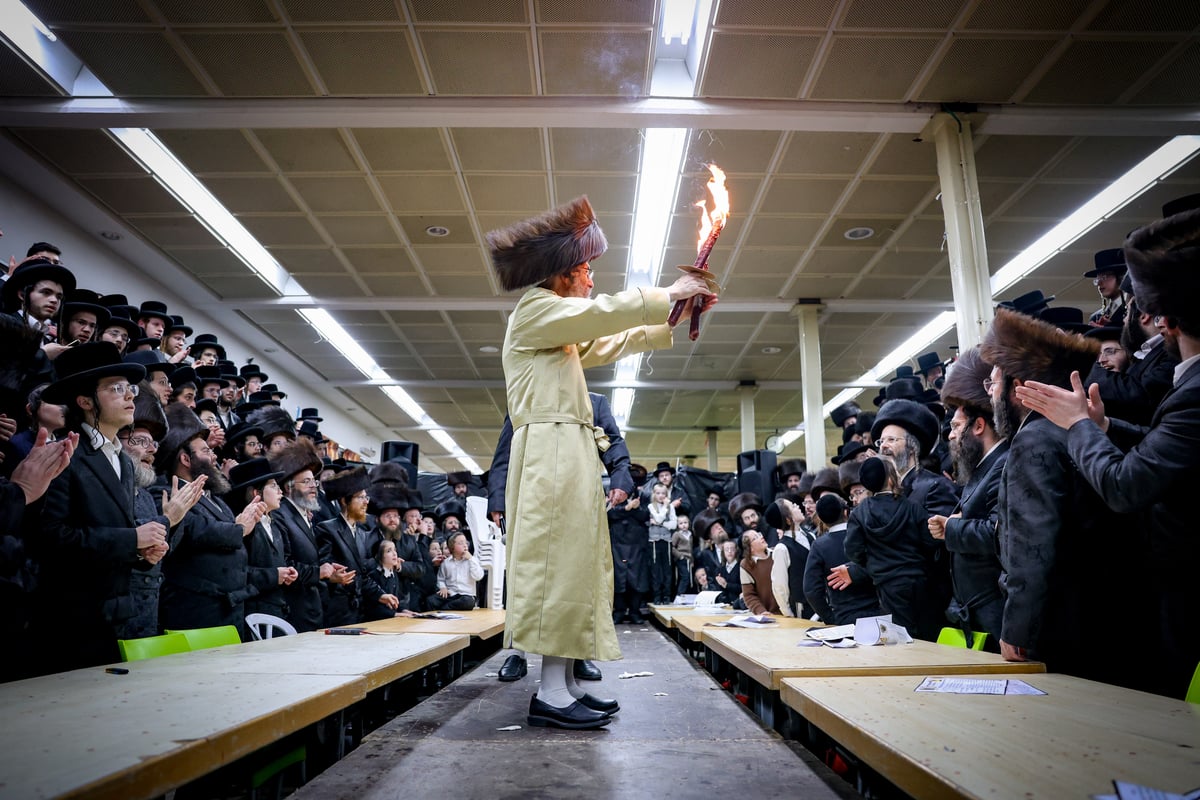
(608, 707)
(576, 716)
(586, 671)
(514, 669)
(636, 619)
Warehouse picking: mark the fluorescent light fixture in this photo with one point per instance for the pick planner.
(345, 344)
(400, 397)
(662, 151)
(622, 404)
(1148, 172)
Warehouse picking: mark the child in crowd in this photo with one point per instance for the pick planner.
(456, 577)
(681, 551)
(385, 592)
(838, 591)
(702, 582)
(662, 523)
(888, 536)
(729, 575)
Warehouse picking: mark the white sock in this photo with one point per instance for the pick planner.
(572, 685)
(553, 690)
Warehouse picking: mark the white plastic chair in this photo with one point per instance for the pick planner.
(489, 547)
(265, 626)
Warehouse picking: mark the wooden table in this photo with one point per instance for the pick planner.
(175, 718)
(666, 613)
(1070, 743)
(695, 626)
(482, 623)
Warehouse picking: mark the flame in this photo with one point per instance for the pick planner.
(720, 200)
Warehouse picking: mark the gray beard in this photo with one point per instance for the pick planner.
(967, 451)
(900, 460)
(143, 476)
(304, 504)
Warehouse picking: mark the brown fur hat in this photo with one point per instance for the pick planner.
(182, 426)
(556, 241)
(827, 480)
(1029, 349)
(345, 484)
(273, 420)
(148, 413)
(1164, 265)
(740, 502)
(298, 456)
(964, 383)
(848, 475)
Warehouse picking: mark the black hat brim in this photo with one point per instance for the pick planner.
(62, 392)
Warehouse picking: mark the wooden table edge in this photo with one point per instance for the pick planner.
(448, 645)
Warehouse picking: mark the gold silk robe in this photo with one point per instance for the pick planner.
(560, 572)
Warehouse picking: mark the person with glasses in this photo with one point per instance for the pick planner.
(90, 539)
(338, 538)
(1106, 277)
(1133, 392)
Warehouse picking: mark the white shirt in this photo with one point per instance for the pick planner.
(1147, 346)
(1183, 367)
(266, 523)
(110, 448)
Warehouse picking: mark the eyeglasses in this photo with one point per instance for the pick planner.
(858, 493)
(590, 271)
(888, 440)
(988, 383)
(145, 442)
(1109, 352)
(121, 389)
(307, 482)
(1159, 319)
(120, 335)
(359, 496)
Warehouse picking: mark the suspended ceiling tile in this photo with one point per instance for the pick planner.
(403, 149)
(1008, 235)
(782, 232)
(54, 12)
(221, 12)
(756, 65)
(820, 286)
(508, 192)
(1104, 157)
(900, 155)
(359, 11)
(499, 149)
(299, 261)
(336, 194)
(1053, 201)
(1180, 16)
(362, 62)
(451, 259)
(922, 234)
(608, 62)
(209, 261)
(483, 63)
(608, 193)
(759, 14)
(1016, 156)
(230, 286)
(181, 231)
(768, 262)
(418, 194)
(477, 11)
(281, 231)
(904, 263)
(595, 150)
(212, 151)
(133, 63)
(79, 152)
(872, 67)
(249, 64)
(251, 194)
(350, 230)
(19, 79)
(840, 260)
(394, 284)
(888, 197)
(732, 150)
(1025, 15)
(886, 14)
(415, 228)
(632, 12)
(332, 286)
(802, 196)
(1096, 72)
(370, 260)
(618, 228)
(1166, 88)
(984, 70)
(307, 150)
(826, 153)
(992, 194)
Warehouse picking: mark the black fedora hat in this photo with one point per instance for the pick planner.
(154, 309)
(80, 367)
(183, 375)
(1031, 303)
(239, 431)
(255, 472)
(252, 370)
(914, 417)
(1065, 318)
(309, 413)
(85, 300)
(257, 400)
(119, 317)
(663, 466)
(927, 361)
(1105, 333)
(848, 452)
(209, 373)
(205, 340)
(1111, 260)
(229, 371)
(272, 389)
(1179, 205)
(177, 324)
(28, 273)
(152, 360)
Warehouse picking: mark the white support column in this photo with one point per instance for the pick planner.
(711, 436)
(969, 276)
(807, 315)
(747, 392)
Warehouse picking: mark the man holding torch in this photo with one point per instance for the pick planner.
(560, 596)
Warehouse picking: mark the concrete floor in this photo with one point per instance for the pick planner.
(694, 740)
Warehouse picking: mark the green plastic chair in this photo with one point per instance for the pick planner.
(1193, 693)
(954, 637)
(153, 646)
(203, 638)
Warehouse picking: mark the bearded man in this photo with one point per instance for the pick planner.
(560, 597)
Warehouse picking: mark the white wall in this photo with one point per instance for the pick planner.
(55, 212)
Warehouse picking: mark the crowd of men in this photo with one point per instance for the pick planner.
(1034, 490)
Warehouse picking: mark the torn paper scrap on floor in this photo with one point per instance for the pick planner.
(635, 674)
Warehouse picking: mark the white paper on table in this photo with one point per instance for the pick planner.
(1021, 687)
(707, 599)
(684, 600)
(750, 621)
(880, 630)
(1133, 791)
(826, 634)
(963, 685)
(841, 644)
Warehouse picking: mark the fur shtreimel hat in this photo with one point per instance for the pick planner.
(849, 473)
(1032, 350)
(345, 484)
(182, 426)
(704, 521)
(389, 473)
(844, 412)
(455, 478)
(148, 413)
(1164, 265)
(273, 420)
(743, 501)
(556, 241)
(964, 383)
(296, 457)
(913, 417)
(827, 480)
(793, 466)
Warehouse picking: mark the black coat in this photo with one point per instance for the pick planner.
(732, 573)
(265, 555)
(1134, 394)
(305, 596)
(615, 458)
(1066, 558)
(86, 552)
(971, 540)
(630, 549)
(838, 606)
(1150, 473)
(144, 584)
(336, 544)
(204, 572)
(415, 558)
